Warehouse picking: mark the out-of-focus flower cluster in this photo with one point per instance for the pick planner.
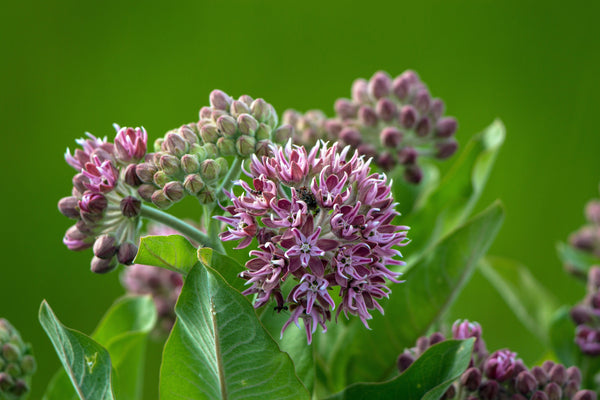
(103, 200)
(587, 238)
(501, 375)
(17, 364)
(395, 121)
(322, 219)
(162, 284)
(586, 316)
(194, 159)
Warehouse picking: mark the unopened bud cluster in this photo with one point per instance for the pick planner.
(394, 121)
(194, 159)
(162, 284)
(586, 316)
(587, 238)
(104, 201)
(501, 375)
(17, 363)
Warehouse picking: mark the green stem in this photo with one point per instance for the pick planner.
(233, 173)
(182, 227)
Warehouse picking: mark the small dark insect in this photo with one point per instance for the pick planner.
(306, 196)
(280, 308)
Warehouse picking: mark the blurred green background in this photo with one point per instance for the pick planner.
(70, 66)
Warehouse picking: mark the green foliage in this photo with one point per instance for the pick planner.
(531, 302)
(218, 348)
(121, 337)
(172, 252)
(576, 261)
(426, 379)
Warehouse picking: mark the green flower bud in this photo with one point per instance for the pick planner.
(283, 133)
(206, 196)
(13, 370)
(239, 107)
(193, 184)
(245, 146)
(261, 110)
(190, 164)
(158, 144)
(247, 100)
(226, 146)
(211, 150)
(198, 150)
(6, 382)
(28, 365)
(263, 132)
(273, 120)
(174, 144)
(227, 125)
(223, 166)
(188, 134)
(174, 191)
(209, 133)
(247, 124)
(209, 169)
(169, 164)
(160, 199)
(161, 178)
(10, 352)
(263, 148)
(145, 191)
(21, 387)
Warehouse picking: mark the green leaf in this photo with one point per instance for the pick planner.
(414, 306)
(226, 266)
(451, 204)
(172, 252)
(123, 331)
(562, 338)
(218, 348)
(577, 261)
(529, 300)
(426, 379)
(86, 362)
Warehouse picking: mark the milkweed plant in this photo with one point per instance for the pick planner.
(320, 262)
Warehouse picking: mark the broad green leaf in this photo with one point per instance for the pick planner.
(172, 252)
(529, 300)
(123, 332)
(218, 349)
(451, 204)
(226, 266)
(86, 362)
(426, 379)
(414, 306)
(577, 261)
(562, 338)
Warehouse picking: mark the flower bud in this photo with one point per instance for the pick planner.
(539, 395)
(130, 176)
(367, 116)
(526, 382)
(21, 387)
(169, 164)
(390, 137)
(446, 149)
(158, 143)
(380, 85)
(581, 314)
(333, 128)
(160, 199)
(283, 133)
(94, 203)
(204, 113)
(161, 178)
(489, 390)
(145, 191)
(263, 132)
(247, 100)
(206, 196)
(174, 191)
(226, 146)
(471, 379)
(227, 125)
(548, 365)
(239, 107)
(401, 87)
(422, 344)
(130, 144)
(345, 109)
(351, 136)
(367, 150)
(145, 171)
(247, 124)
(593, 281)
(209, 133)
(408, 116)
(404, 361)
(6, 382)
(407, 156)
(69, 207)
(360, 91)
(423, 127)
(540, 375)
(77, 240)
(386, 109)
(435, 338)
(574, 375)
(584, 239)
(210, 150)
(188, 134)
(193, 184)
(127, 253)
(245, 145)
(209, 170)
(28, 364)
(422, 101)
(437, 108)
(558, 374)
(570, 389)
(105, 246)
(79, 182)
(13, 370)
(263, 148)
(10, 352)
(190, 164)
(220, 100)
(175, 145)
(130, 207)
(449, 393)
(260, 110)
(102, 266)
(386, 161)
(446, 127)
(585, 395)
(553, 391)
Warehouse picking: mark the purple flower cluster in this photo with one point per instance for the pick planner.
(103, 200)
(395, 121)
(587, 238)
(164, 285)
(587, 316)
(17, 364)
(322, 218)
(501, 375)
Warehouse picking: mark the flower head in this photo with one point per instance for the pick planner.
(322, 218)
(130, 144)
(17, 363)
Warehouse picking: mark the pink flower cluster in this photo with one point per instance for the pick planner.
(323, 219)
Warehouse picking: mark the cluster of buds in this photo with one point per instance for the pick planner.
(193, 160)
(586, 316)
(322, 219)
(587, 238)
(17, 364)
(162, 284)
(104, 201)
(394, 121)
(501, 375)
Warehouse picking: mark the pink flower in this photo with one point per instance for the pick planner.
(130, 144)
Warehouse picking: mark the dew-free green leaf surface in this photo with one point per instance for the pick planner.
(577, 261)
(218, 349)
(426, 379)
(172, 252)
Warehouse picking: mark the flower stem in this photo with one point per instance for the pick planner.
(233, 173)
(184, 228)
